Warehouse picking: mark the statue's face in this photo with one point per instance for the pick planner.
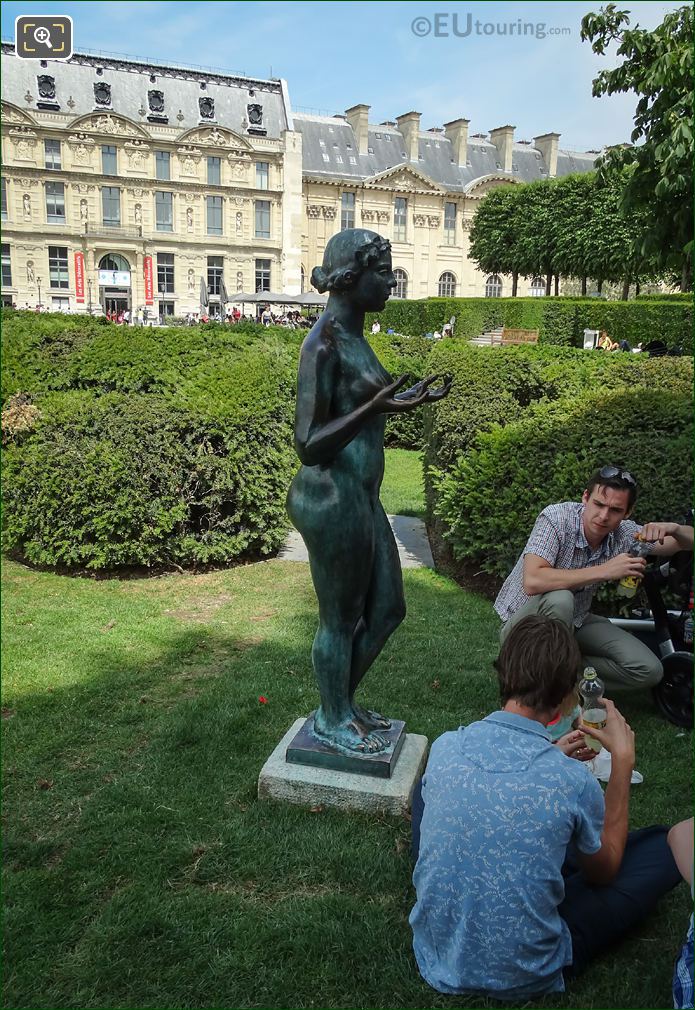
(375, 285)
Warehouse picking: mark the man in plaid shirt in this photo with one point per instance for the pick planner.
(573, 547)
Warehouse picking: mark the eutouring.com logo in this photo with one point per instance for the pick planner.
(447, 25)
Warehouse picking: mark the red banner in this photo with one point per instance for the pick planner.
(149, 285)
(79, 276)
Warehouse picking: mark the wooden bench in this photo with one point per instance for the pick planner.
(519, 336)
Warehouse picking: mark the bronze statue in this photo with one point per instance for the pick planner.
(343, 397)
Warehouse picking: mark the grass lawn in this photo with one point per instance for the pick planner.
(140, 869)
(402, 489)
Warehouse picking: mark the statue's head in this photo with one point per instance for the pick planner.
(349, 261)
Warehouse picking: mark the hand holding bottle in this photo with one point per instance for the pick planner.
(616, 736)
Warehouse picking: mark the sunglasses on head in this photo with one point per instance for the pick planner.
(607, 472)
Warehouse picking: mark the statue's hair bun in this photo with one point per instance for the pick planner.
(320, 279)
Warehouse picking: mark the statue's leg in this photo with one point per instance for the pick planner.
(340, 554)
(383, 611)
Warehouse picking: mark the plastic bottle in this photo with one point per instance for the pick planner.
(629, 584)
(593, 706)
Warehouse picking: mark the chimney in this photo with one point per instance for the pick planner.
(457, 132)
(409, 126)
(547, 145)
(358, 118)
(503, 138)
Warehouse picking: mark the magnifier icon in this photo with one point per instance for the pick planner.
(43, 36)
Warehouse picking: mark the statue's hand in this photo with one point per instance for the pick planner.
(423, 387)
(438, 394)
(387, 402)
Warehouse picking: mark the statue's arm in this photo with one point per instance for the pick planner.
(318, 437)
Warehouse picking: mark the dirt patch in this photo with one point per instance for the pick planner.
(203, 609)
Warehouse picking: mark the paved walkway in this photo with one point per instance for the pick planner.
(411, 537)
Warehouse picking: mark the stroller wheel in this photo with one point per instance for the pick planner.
(674, 693)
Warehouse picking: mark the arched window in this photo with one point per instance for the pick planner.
(401, 283)
(447, 285)
(493, 286)
(302, 281)
(536, 287)
(114, 261)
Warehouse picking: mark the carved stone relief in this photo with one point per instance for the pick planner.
(330, 213)
(189, 219)
(26, 206)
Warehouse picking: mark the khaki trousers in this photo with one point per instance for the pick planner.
(622, 662)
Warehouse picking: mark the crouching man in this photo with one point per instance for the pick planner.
(524, 872)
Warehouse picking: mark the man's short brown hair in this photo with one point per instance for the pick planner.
(538, 664)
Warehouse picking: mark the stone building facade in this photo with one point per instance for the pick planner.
(128, 185)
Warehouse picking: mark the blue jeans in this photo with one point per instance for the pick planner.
(599, 915)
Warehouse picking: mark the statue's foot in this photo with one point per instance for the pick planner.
(348, 735)
(370, 720)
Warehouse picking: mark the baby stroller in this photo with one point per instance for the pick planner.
(663, 630)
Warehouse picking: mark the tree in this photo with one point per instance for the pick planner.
(658, 66)
(535, 239)
(494, 233)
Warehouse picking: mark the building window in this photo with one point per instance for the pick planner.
(165, 273)
(111, 206)
(449, 224)
(493, 286)
(347, 211)
(165, 309)
(537, 287)
(262, 221)
(55, 202)
(214, 204)
(162, 165)
(302, 280)
(6, 266)
(52, 152)
(3, 187)
(164, 211)
(401, 283)
(262, 175)
(447, 285)
(262, 275)
(58, 266)
(214, 172)
(400, 213)
(59, 303)
(109, 161)
(215, 272)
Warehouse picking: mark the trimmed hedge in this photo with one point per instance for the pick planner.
(496, 386)
(558, 320)
(146, 446)
(490, 498)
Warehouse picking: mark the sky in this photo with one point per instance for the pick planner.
(444, 60)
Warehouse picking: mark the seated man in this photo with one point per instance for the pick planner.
(515, 836)
(573, 547)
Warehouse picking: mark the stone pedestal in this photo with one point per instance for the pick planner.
(314, 786)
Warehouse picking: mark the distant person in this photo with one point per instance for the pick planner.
(376, 326)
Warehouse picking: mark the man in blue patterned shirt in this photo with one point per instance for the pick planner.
(573, 547)
(523, 873)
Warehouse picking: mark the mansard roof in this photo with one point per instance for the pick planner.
(330, 153)
(131, 81)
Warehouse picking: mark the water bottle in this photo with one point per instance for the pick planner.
(629, 584)
(593, 706)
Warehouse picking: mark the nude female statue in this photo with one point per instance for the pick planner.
(343, 397)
